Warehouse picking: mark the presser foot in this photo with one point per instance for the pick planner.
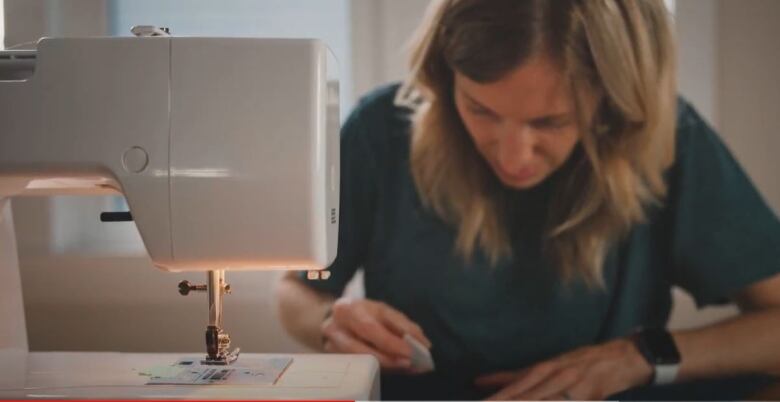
(223, 360)
(218, 348)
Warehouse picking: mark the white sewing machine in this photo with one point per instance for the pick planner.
(227, 153)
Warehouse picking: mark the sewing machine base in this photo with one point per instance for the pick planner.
(107, 375)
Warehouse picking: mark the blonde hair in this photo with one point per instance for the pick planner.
(618, 58)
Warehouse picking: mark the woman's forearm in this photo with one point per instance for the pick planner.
(302, 310)
(749, 343)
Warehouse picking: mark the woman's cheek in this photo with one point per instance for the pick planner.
(481, 130)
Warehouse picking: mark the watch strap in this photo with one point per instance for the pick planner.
(665, 373)
(659, 350)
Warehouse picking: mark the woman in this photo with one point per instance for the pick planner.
(522, 205)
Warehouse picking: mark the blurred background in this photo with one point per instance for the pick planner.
(90, 286)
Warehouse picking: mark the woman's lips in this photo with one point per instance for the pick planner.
(521, 175)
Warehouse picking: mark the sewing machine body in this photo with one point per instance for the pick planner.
(227, 153)
(225, 149)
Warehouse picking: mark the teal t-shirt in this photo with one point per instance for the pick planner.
(713, 236)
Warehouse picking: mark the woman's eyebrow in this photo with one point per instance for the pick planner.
(552, 118)
(543, 119)
(474, 101)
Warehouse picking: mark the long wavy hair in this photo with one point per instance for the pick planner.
(618, 58)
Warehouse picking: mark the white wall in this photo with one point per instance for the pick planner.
(381, 30)
(2, 24)
(749, 88)
(696, 24)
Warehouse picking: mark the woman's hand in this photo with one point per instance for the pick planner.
(371, 327)
(589, 373)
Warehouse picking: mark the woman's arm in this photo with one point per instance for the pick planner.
(749, 343)
(302, 310)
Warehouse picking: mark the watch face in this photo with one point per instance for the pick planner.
(660, 346)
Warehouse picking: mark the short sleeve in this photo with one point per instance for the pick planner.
(725, 237)
(356, 203)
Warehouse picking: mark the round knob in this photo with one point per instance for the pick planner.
(185, 287)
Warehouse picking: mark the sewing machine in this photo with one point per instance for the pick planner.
(226, 151)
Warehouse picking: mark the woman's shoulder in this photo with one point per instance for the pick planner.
(697, 144)
(717, 218)
(378, 112)
(378, 128)
(689, 123)
(705, 173)
(694, 134)
(381, 98)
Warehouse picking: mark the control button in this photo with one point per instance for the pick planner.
(135, 160)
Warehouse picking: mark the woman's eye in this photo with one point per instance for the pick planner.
(549, 125)
(482, 112)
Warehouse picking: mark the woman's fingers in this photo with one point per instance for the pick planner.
(367, 320)
(499, 379)
(554, 386)
(373, 331)
(401, 324)
(591, 372)
(368, 326)
(525, 382)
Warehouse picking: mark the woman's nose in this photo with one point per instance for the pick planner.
(516, 148)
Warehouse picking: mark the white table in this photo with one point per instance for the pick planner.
(106, 375)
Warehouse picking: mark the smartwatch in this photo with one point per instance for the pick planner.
(657, 347)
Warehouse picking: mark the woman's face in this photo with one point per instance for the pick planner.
(524, 124)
